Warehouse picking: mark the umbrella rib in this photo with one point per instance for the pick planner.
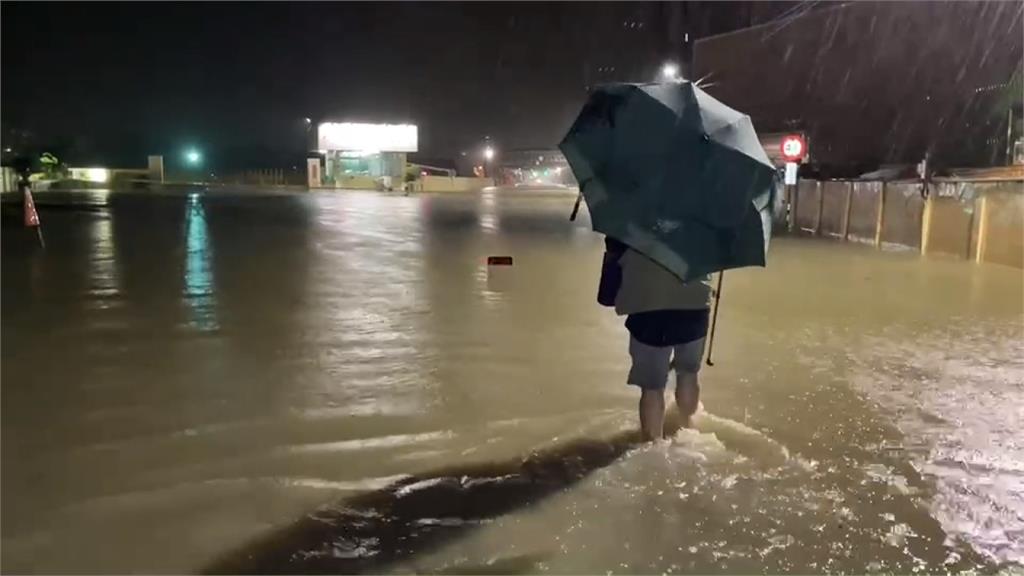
(728, 124)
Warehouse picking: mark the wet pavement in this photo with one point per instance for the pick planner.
(194, 381)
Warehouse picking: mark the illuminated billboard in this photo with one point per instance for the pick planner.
(368, 138)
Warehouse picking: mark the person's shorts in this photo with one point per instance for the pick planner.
(651, 364)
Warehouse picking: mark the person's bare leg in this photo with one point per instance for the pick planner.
(687, 395)
(652, 414)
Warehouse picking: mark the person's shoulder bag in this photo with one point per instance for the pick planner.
(611, 272)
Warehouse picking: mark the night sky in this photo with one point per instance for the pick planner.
(110, 83)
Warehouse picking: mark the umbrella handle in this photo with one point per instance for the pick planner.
(576, 207)
(714, 318)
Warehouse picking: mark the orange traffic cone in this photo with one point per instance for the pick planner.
(32, 217)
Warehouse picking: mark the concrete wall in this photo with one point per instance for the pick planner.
(950, 227)
(354, 182)
(422, 184)
(807, 197)
(981, 221)
(962, 213)
(1001, 227)
(8, 179)
(864, 211)
(833, 208)
(451, 184)
(155, 165)
(902, 214)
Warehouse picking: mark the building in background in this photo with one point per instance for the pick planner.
(361, 155)
(877, 83)
(632, 41)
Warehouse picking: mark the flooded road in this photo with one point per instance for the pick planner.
(187, 375)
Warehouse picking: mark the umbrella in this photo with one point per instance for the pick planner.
(675, 174)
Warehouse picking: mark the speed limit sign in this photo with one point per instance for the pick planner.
(794, 148)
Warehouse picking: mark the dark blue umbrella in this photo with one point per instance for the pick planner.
(675, 174)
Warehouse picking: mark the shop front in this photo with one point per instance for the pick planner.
(366, 156)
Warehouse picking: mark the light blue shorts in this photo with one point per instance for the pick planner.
(651, 364)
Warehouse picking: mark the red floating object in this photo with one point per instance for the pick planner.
(499, 260)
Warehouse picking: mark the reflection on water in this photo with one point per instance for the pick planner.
(199, 290)
(104, 275)
(958, 408)
(488, 215)
(210, 369)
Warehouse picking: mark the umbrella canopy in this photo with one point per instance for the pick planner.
(675, 174)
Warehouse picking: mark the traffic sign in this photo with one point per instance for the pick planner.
(794, 148)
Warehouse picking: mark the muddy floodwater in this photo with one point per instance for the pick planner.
(187, 377)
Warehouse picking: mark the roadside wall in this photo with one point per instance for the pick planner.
(450, 184)
(833, 208)
(265, 177)
(902, 214)
(864, 208)
(355, 182)
(975, 220)
(1000, 226)
(805, 205)
(951, 227)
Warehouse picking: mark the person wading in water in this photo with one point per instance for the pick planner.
(667, 320)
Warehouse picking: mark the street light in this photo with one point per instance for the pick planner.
(488, 156)
(193, 157)
(670, 71)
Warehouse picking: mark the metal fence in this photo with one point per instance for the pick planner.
(977, 220)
